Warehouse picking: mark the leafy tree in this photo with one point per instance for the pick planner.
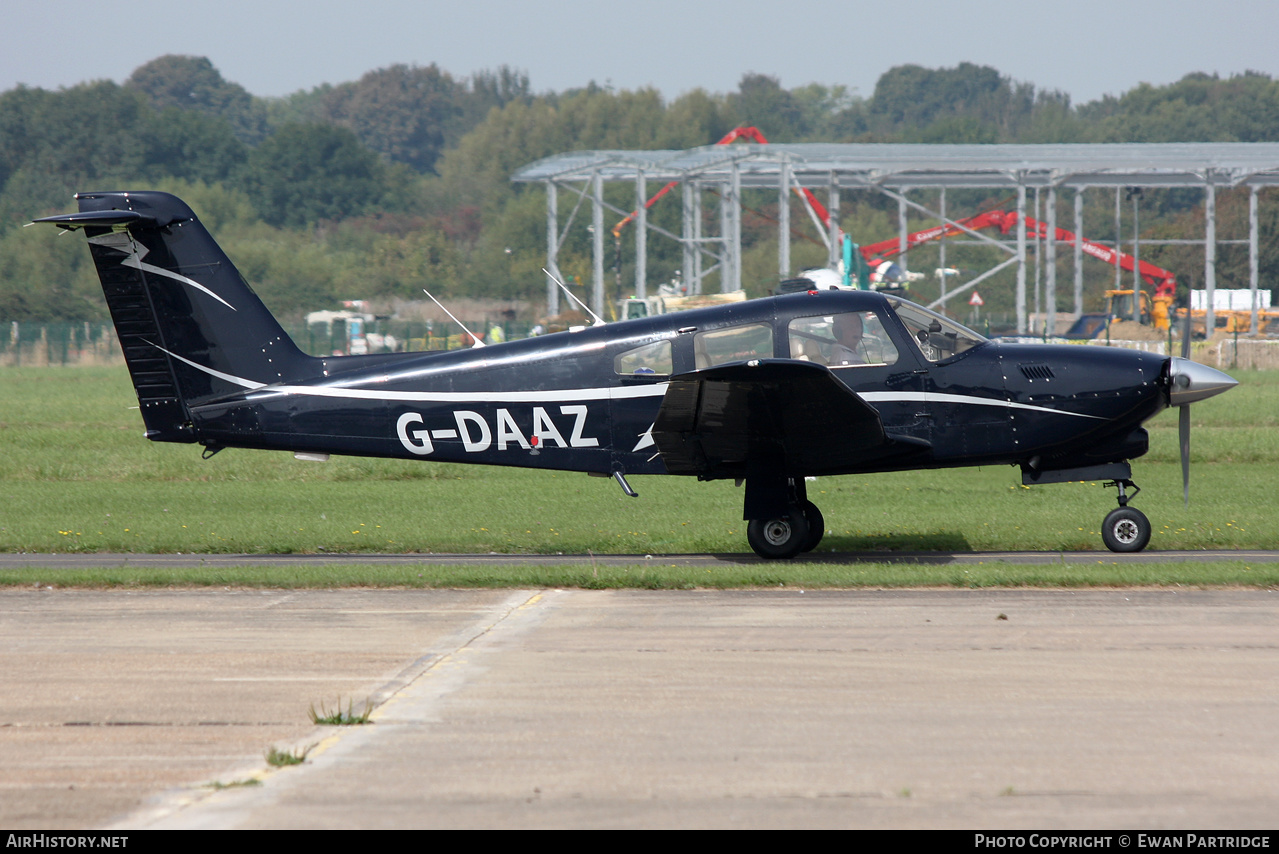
(306, 173)
(954, 130)
(1197, 108)
(289, 270)
(192, 146)
(19, 133)
(821, 108)
(401, 112)
(488, 90)
(56, 143)
(192, 83)
(910, 96)
(693, 119)
(304, 107)
(46, 278)
(761, 101)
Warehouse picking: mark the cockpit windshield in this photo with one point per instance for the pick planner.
(938, 337)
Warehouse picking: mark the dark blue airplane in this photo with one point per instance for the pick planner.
(766, 392)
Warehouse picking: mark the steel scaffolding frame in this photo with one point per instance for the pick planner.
(893, 171)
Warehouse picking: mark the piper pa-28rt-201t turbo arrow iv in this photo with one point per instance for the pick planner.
(767, 392)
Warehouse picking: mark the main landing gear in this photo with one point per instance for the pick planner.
(1126, 529)
(790, 526)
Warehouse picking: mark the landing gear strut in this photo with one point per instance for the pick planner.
(1126, 529)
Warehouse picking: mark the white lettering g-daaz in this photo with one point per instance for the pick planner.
(476, 433)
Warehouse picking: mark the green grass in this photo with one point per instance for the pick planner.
(77, 476)
(218, 785)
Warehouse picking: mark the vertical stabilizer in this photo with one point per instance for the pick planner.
(190, 327)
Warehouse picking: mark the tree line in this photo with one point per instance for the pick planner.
(400, 180)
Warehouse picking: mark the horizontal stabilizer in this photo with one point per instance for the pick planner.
(781, 414)
(85, 219)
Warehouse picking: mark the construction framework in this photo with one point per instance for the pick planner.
(892, 171)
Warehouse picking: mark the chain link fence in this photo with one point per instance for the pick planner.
(69, 343)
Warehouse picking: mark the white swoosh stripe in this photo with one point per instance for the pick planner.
(930, 397)
(134, 261)
(249, 384)
(556, 396)
(122, 241)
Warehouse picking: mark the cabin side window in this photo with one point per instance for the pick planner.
(938, 337)
(652, 358)
(734, 344)
(848, 339)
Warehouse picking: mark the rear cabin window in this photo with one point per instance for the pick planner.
(841, 340)
(652, 358)
(734, 344)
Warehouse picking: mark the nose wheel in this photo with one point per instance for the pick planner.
(1126, 529)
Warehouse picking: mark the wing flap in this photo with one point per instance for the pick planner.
(781, 413)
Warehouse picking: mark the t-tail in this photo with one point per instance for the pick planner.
(190, 327)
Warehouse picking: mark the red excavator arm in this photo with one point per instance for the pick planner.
(1163, 281)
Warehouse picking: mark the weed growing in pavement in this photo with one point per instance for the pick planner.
(337, 717)
(277, 758)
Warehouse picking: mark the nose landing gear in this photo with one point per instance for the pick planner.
(1126, 529)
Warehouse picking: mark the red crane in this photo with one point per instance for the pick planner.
(1163, 281)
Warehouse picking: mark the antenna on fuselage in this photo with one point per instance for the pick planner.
(478, 342)
(599, 321)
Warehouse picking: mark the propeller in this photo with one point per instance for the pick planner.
(1189, 382)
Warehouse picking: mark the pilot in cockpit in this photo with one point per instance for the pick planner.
(848, 341)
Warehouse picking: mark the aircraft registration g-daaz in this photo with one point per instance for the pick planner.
(766, 392)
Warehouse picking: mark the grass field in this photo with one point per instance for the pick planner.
(77, 476)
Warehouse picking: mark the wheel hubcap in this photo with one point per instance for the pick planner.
(777, 532)
(1126, 531)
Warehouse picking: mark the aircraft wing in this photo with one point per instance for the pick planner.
(786, 414)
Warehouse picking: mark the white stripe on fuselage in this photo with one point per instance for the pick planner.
(552, 396)
(972, 400)
(261, 390)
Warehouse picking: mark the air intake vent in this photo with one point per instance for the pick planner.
(1036, 372)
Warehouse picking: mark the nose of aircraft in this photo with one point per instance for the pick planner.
(1190, 382)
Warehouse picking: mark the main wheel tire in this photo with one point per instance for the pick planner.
(1126, 529)
(778, 539)
(816, 525)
